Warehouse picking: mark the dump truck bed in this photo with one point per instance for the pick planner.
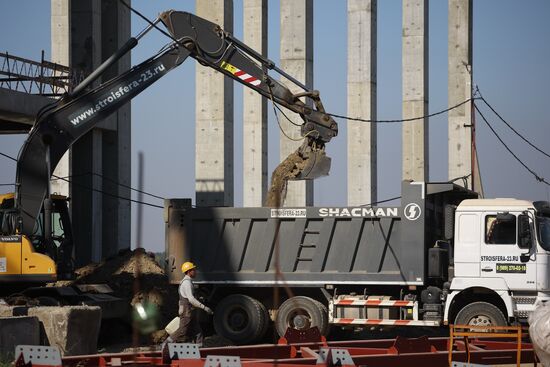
(315, 246)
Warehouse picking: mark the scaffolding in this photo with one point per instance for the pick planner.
(43, 78)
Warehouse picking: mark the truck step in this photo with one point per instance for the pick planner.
(385, 322)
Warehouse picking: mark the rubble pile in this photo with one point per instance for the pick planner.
(119, 272)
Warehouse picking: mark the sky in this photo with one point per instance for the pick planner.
(511, 55)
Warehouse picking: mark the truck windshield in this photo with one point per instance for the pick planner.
(543, 229)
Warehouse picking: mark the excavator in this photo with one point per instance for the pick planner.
(36, 244)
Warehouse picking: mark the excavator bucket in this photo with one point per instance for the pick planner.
(308, 162)
(315, 164)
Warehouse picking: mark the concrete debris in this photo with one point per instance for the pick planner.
(73, 329)
(119, 273)
(22, 330)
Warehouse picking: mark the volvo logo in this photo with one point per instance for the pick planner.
(412, 211)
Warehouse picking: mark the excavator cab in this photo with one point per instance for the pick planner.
(44, 256)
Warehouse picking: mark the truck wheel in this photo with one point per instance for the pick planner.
(324, 311)
(481, 314)
(241, 319)
(301, 313)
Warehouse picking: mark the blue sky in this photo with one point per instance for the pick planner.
(511, 58)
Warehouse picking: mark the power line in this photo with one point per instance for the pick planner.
(69, 179)
(8, 156)
(109, 194)
(514, 130)
(381, 201)
(402, 120)
(537, 177)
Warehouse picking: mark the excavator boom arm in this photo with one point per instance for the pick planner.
(55, 131)
(73, 116)
(210, 45)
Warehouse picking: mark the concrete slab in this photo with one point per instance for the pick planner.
(18, 110)
(73, 329)
(17, 331)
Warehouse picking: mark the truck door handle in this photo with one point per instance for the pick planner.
(488, 270)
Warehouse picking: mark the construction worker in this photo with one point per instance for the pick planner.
(189, 326)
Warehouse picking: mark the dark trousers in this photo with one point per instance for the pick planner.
(189, 329)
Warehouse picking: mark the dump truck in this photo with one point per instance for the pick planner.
(443, 256)
(36, 244)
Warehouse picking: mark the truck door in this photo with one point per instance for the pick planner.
(501, 255)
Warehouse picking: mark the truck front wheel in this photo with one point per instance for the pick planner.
(301, 313)
(481, 314)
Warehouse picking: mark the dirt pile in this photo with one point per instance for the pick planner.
(119, 272)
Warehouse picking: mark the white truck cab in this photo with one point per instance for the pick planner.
(501, 250)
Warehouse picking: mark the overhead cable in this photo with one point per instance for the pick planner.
(537, 177)
(381, 201)
(69, 179)
(514, 130)
(402, 120)
(109, 194)
(8, 156)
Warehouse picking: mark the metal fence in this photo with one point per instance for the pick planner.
(44, 78)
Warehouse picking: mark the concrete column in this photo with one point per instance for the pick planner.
(254, 111)
(61, 54)
(214, 120)
(460, 88)
(415, 90)
(116, 136)
(85, 156)
(362, 101)
(296, 60)
(84, 33)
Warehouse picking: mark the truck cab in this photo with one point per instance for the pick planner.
(501, 250)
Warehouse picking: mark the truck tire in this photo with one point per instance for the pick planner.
(241, 319)
(324, 311)
(481, 314)
(301, 313)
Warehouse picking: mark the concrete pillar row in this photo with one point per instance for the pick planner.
(297, 60)
(255, 175)
(214, 145)
(415, 90)
(84, 34)
(361, 83)
(460, 89)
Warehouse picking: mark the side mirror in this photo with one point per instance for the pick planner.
(525, 238)
(525, 257)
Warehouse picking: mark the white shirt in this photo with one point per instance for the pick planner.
(186, 291)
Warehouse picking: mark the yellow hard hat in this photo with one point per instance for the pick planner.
(187, 266)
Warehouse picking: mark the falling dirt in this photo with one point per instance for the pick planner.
(288, 169)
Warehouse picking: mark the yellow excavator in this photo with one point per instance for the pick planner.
(36, 244)
(30, 259)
